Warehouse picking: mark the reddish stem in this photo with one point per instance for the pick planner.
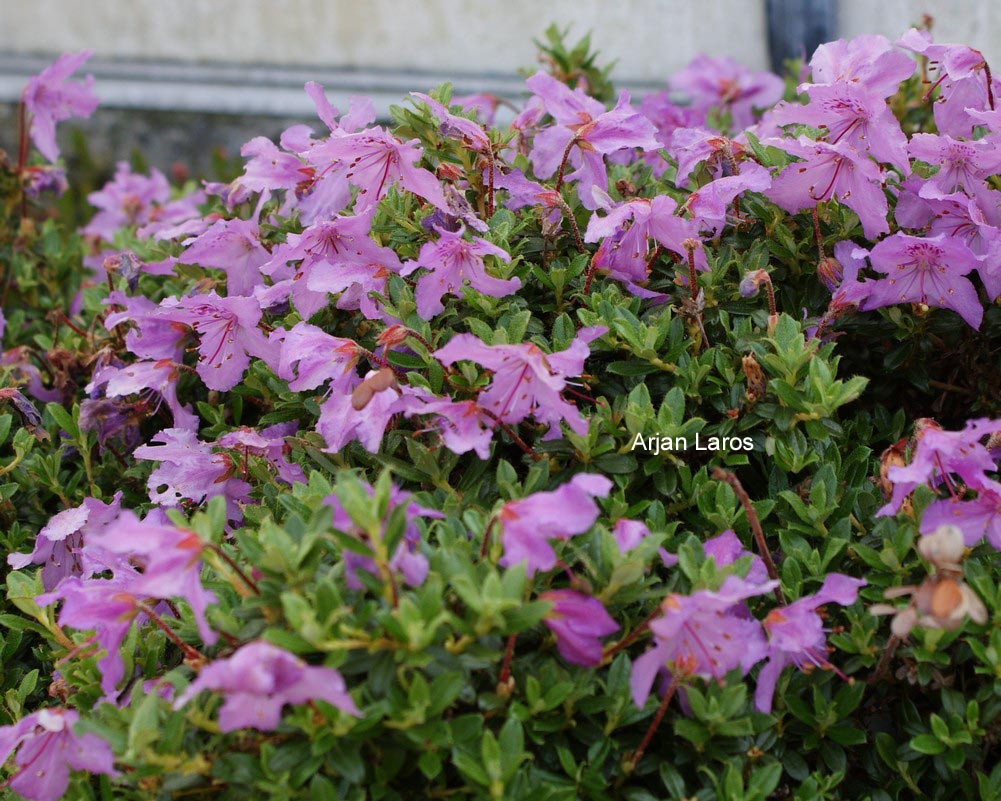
(637, 755)
(563, 163)
(189, 651)
(752, 518)
(485, 546)
(990, 89)
(235, 568)
(632, 636)
(490, 181)
(505, 673)
(816, 234)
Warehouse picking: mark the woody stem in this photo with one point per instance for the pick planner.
(485, 545)
(632, 636)
(990, 89)
(189, 651)
(637, 755)
(816, 234)
(884, 660)
(235, 568)
(505, 673)
(752, 518)
(563, 163)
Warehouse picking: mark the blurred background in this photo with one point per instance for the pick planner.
(190, 80)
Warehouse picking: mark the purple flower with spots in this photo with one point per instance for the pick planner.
(705, 634)
(228, 336)
(59, 546)
(579, 622)
(832, 172)
(869, 61)
(190, 470)
(962, 166)
(584, 132)
(978, 519)
(796, 634)
(234, 247)
(925, 270)
(47, 749)
(259, 679)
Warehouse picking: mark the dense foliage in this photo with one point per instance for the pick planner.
(571, 457)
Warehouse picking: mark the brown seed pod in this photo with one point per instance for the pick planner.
(756, 381)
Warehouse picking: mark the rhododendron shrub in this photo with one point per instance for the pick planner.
(579, 456)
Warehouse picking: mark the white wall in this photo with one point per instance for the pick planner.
(650, 38)
(973, 22)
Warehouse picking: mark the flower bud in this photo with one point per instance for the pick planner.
(830, 273)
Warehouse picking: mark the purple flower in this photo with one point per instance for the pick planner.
(462, 424)
(336, 256)
(259, 679)
(726, 548)
(342, 420)
(939, 454)
(705, 634)
(628, 228)
(925, 270)
(796, 634)
(723, 83)
(867, 61)
(832, 172)
(170, 559)
(962, 76)
(579, 622)
(629, 533)
(126, 200)
(588, 130)
(154, 336)
(108, 607)
(469, 133)
(963, 166)
(309, 356)
(528, 525)
(47, 749)
(269, 444)
(157, 379)
(50, 98)
(526, 381)
(59, 546)
(451, 261)
(190, 471)
(850, 113)
(374, 159)
(977, 519)
(234, 247)
(228, 336)
(407, 560)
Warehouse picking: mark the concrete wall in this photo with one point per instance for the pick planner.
(649, 38)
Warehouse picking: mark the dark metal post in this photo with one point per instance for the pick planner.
(796, 27)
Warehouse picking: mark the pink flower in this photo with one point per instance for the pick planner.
(47, 749)
(704, 634)
(259, 679)
(189, 470)
(526, 381)
(925, 270)
(50, 98)
(796, 634)
(234, 247)
(451, 262)
(589, 131)
(723, 83)
(832, 172)
(867, 61)
(126, 200)
(228, 336)
(528, 525)
(579, 622)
